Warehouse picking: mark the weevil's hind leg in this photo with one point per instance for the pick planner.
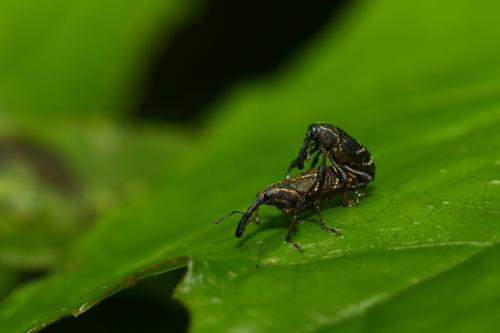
(348, 202)
(323, 223)
(289, 235)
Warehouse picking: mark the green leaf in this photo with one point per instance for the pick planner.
(420, 308)
(56, 180)
(83, 57)
(419, 87)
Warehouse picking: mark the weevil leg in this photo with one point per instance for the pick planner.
(320, 177)
(292, 165)
(310, 153)
(295, 163)
(323, 223)
(366, 177)
(348, 202)
(322, 167)
(315, 159)
(339, 170)
(359, 194)
(299, 161)
(289, 235)
(255, 218)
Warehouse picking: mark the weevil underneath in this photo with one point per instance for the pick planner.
(301, 193)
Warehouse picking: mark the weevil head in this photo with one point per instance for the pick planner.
(313, 130)
(324, 135)
(274, 195)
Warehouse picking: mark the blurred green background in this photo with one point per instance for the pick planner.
(127, 127)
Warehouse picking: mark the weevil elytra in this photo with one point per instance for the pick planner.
(301, 193)
(346, 154)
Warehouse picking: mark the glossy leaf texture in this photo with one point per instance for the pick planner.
(418, 85)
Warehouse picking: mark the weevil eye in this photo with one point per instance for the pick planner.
(266, 197)
(313, 132)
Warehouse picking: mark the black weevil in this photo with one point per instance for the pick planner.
(301, 193)
(344, 152)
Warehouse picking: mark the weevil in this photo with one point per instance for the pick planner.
(301, 193)
(346, 154)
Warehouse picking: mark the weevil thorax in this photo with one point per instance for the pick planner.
(280, 195)
(347, 150)
(324, 135)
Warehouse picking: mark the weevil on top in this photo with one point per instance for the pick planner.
(352, 169)
(344, 152)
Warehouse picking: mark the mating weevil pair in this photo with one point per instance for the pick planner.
(352, 169)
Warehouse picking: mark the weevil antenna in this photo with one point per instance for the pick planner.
(228, 215)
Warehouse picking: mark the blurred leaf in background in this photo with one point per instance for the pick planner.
(418, 85)
(60, 58)
(67, 73)
(105, 167)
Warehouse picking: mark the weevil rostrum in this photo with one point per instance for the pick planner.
(300, 193)
(346, 154)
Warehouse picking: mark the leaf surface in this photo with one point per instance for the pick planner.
(420, 90)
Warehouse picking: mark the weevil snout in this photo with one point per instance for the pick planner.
(253, 207)
(241, 226)
(274, 195)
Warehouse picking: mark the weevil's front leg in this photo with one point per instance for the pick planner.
(322, 167)
(291, 230)
(339, 170)
(348, 202)
(292, 165)
(323, 223)
(320, 176)
(315, 159)
(299, 162)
